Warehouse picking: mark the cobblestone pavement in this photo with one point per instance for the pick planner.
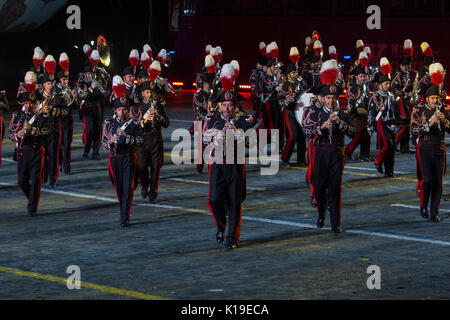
(170, 251)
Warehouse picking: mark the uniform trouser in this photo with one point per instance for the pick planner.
(92, 123)
(226, 190)
(2, 132)
(328, 166)
(362, 138)
(386, 140)
(431, 161)
(150, 154)
(66, 142)
(294, 135)
(51, 169)
(309, 172)
(122, 173)
(402, 137)
(30, 165)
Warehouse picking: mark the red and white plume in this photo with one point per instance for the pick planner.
(262, 48)
(385, 66)
(329, 72)
(332, 52)
(30, 81)
(118, 87)
(219, 54)
(162, 56)
(227, 76)
(145, 60)
(87, 49)
(426, 49)
(359, 45)
(38, 57)
(210, 64)
(308, 43)
(64, 61)
(50, 64)
(147, 49)
(436, 73)
(368, 52)
(236, 68)
(208, 49)
(94, 58)
(154, 70)
(272, 50)
(318, 48)
(133, 58)
(363, 59)
(408, 47)
(294, 55)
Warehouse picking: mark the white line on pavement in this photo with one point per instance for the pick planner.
(381, 234)
(413, 207)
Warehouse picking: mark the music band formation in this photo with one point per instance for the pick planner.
(300, 99)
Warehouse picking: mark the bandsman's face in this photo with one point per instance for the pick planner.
(361, 78)
(227, 108)
(88, 75)
(293, 74)
(27, 105)
(206, 86)
(64, 81)
(48, 85)
(128, 79)
(122, 112)
(330, 101)
(146, 94)
(433, 100)
(385, 86)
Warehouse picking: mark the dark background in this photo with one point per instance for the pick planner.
(186, 26)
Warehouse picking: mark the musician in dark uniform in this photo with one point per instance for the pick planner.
(327, 127)
(271, 109)
(357, 107)
(128, 78)
(429, 121)
(120, 136)
(255, 81)
(382, 113)
(91, 94)
(151, 117)
(289, 94)
(402, 89)
(201, 102)
(311, 74)
(66, 98)
(226, 176)
(46, 97)
(29, 129)
(4, 107)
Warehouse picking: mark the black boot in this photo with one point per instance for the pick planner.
(424, 213)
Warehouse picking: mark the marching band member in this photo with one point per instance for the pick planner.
(382, 114)
(28, 129)
(120, 136)
(429, 121)
(327, 125)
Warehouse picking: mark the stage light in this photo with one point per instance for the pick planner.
(177, 83)
(347, 57)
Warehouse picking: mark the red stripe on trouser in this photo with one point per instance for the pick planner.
(308, 155)
(84, 130)
(130, 200)
(352, 145)
(111, 171)
(238, 227)
(399, 134)
(385, 145)
(419, 163)
(268, 117)
(290, 138)
(40, 176)
(56, 172)
(312, 170)
(340, 182)
(209, 188)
